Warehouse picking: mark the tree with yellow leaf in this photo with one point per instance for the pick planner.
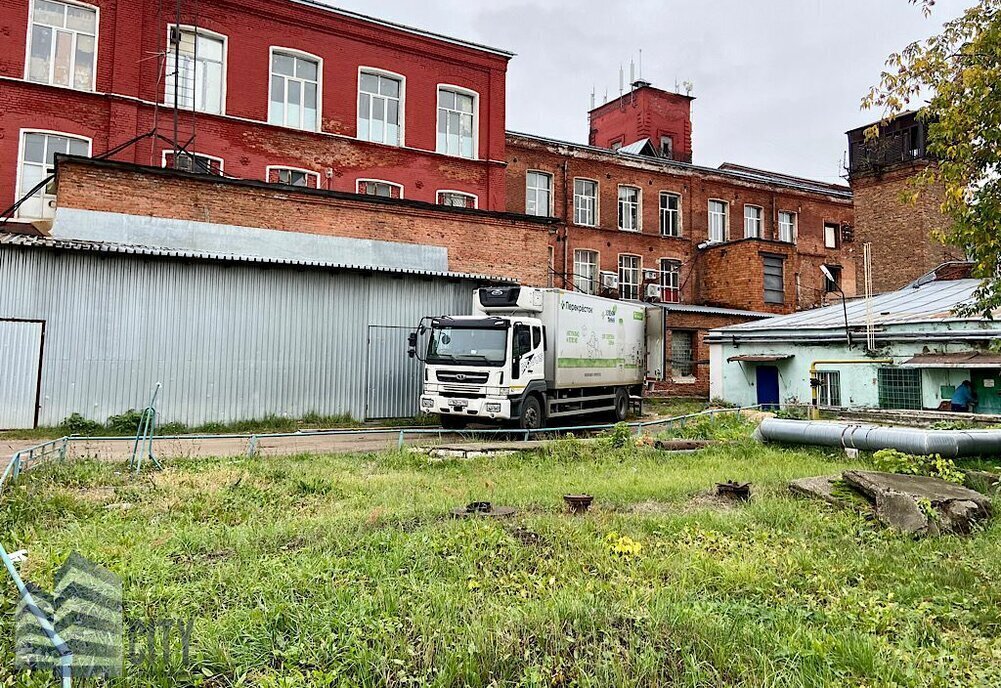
(959, 72)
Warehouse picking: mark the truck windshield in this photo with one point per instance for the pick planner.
(468, 346)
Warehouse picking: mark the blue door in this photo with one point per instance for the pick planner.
(768, 386)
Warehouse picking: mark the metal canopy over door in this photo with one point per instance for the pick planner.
(392, 379)
(20, 365)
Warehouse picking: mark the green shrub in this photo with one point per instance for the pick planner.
(618, 436)
(124, 423)
(75, 424)
(932, 465)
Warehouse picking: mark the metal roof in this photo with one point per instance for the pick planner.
(755, 178)
(763, 358)
(635, 148)
(930, 302)
(965, 359)
(148, 251)
(711, 310)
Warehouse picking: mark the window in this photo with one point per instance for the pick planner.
(629, 277)
(291, 176)
(833, 284)
(375, 187)
(538, 193)
(585, 271)
(37, 161)
(295, 91)
(787, 226)
(192, 162)
(899, 388)
(456, 123)
(585, 202)
(629, 208)
(752, 221)
(829, 391)
(380, 108)
(195, 70)
(682, 354)
(718, 221)
(774, 279)
(670, 280)
(667, 147)
(62, 44)
(831, 232)
(456, 199)
(670, 214)
(616, 145)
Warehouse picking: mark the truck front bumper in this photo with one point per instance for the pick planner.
(487, 408)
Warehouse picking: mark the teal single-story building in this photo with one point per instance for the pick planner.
(909, 350)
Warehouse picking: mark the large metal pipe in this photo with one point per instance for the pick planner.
(950, 444)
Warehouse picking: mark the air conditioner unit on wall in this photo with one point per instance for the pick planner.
(653, 291)
(609, 280)
(651, 275)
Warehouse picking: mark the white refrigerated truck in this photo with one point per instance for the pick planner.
(530, 356)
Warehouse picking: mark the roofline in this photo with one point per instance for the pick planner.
(649, 86)
(845, 194)
(104, 247)
(904, 113)
(404, 28)
(781, 176)
(712, 310)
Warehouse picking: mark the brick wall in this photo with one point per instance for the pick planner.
(900, 232)
(644, 113)
(477, 241)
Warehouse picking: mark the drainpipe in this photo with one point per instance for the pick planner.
(566, 223)
(815, 383)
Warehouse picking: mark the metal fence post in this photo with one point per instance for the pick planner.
(252, 446)
(399, 443)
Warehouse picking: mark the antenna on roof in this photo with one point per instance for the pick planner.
(606, 96)
(592, 96)
(622, 78)
(632, 73)
(641, 64)
(688, 87)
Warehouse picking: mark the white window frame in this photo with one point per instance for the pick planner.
(168, 90)
(837, 229)
(794, 230)
(170, 151)
(439, 192)
(301, 54)
(595, 278)
(639, 208)
(377, 181)
(639, 275)
(726, 220)
(310, 173)
(362, 69)
(20, 161)
(824, 388)
(97, 45)
(462, 90)
(596, 197)
(664, 273)
(757, 234)
(528, 188)
(664, 213)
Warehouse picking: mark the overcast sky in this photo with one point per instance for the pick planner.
(777, 82)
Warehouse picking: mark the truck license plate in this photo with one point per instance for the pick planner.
(459, 403)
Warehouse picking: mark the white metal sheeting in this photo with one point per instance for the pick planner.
(228, 341)
(20, 349)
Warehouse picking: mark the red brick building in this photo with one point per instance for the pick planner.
(266, 89)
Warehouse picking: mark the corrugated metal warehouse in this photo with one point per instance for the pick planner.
(90, 328)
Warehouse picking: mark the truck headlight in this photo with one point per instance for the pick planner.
(492, 407)
(427, 403)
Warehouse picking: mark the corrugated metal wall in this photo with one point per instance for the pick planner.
(228, 341)
(20, 352)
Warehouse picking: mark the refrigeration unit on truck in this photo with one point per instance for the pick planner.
(529, 356)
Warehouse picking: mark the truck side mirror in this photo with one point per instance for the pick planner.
(412, 340)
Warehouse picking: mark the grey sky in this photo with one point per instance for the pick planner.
(777, 82)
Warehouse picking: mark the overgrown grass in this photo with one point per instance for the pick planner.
(346, 571)
(674, 407)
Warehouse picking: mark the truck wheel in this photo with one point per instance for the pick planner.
(452, 422)
(621, 405)
(531, 414)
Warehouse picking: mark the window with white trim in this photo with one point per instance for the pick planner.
(295, 91)
(832, 233)
(38, 151)
(375, 187)
(196, 69)
(629, 277)
(682, 355)
(62, 44)
(670, 214)
(787, 226)
(538, 193)
(456, 123)
(670, 280)
(585, 203)
(629, 209)
(585, 271)
(753, 220)
(718, 221)
(380, 108)
(456, 199)
(291, 176)
(192, 162)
